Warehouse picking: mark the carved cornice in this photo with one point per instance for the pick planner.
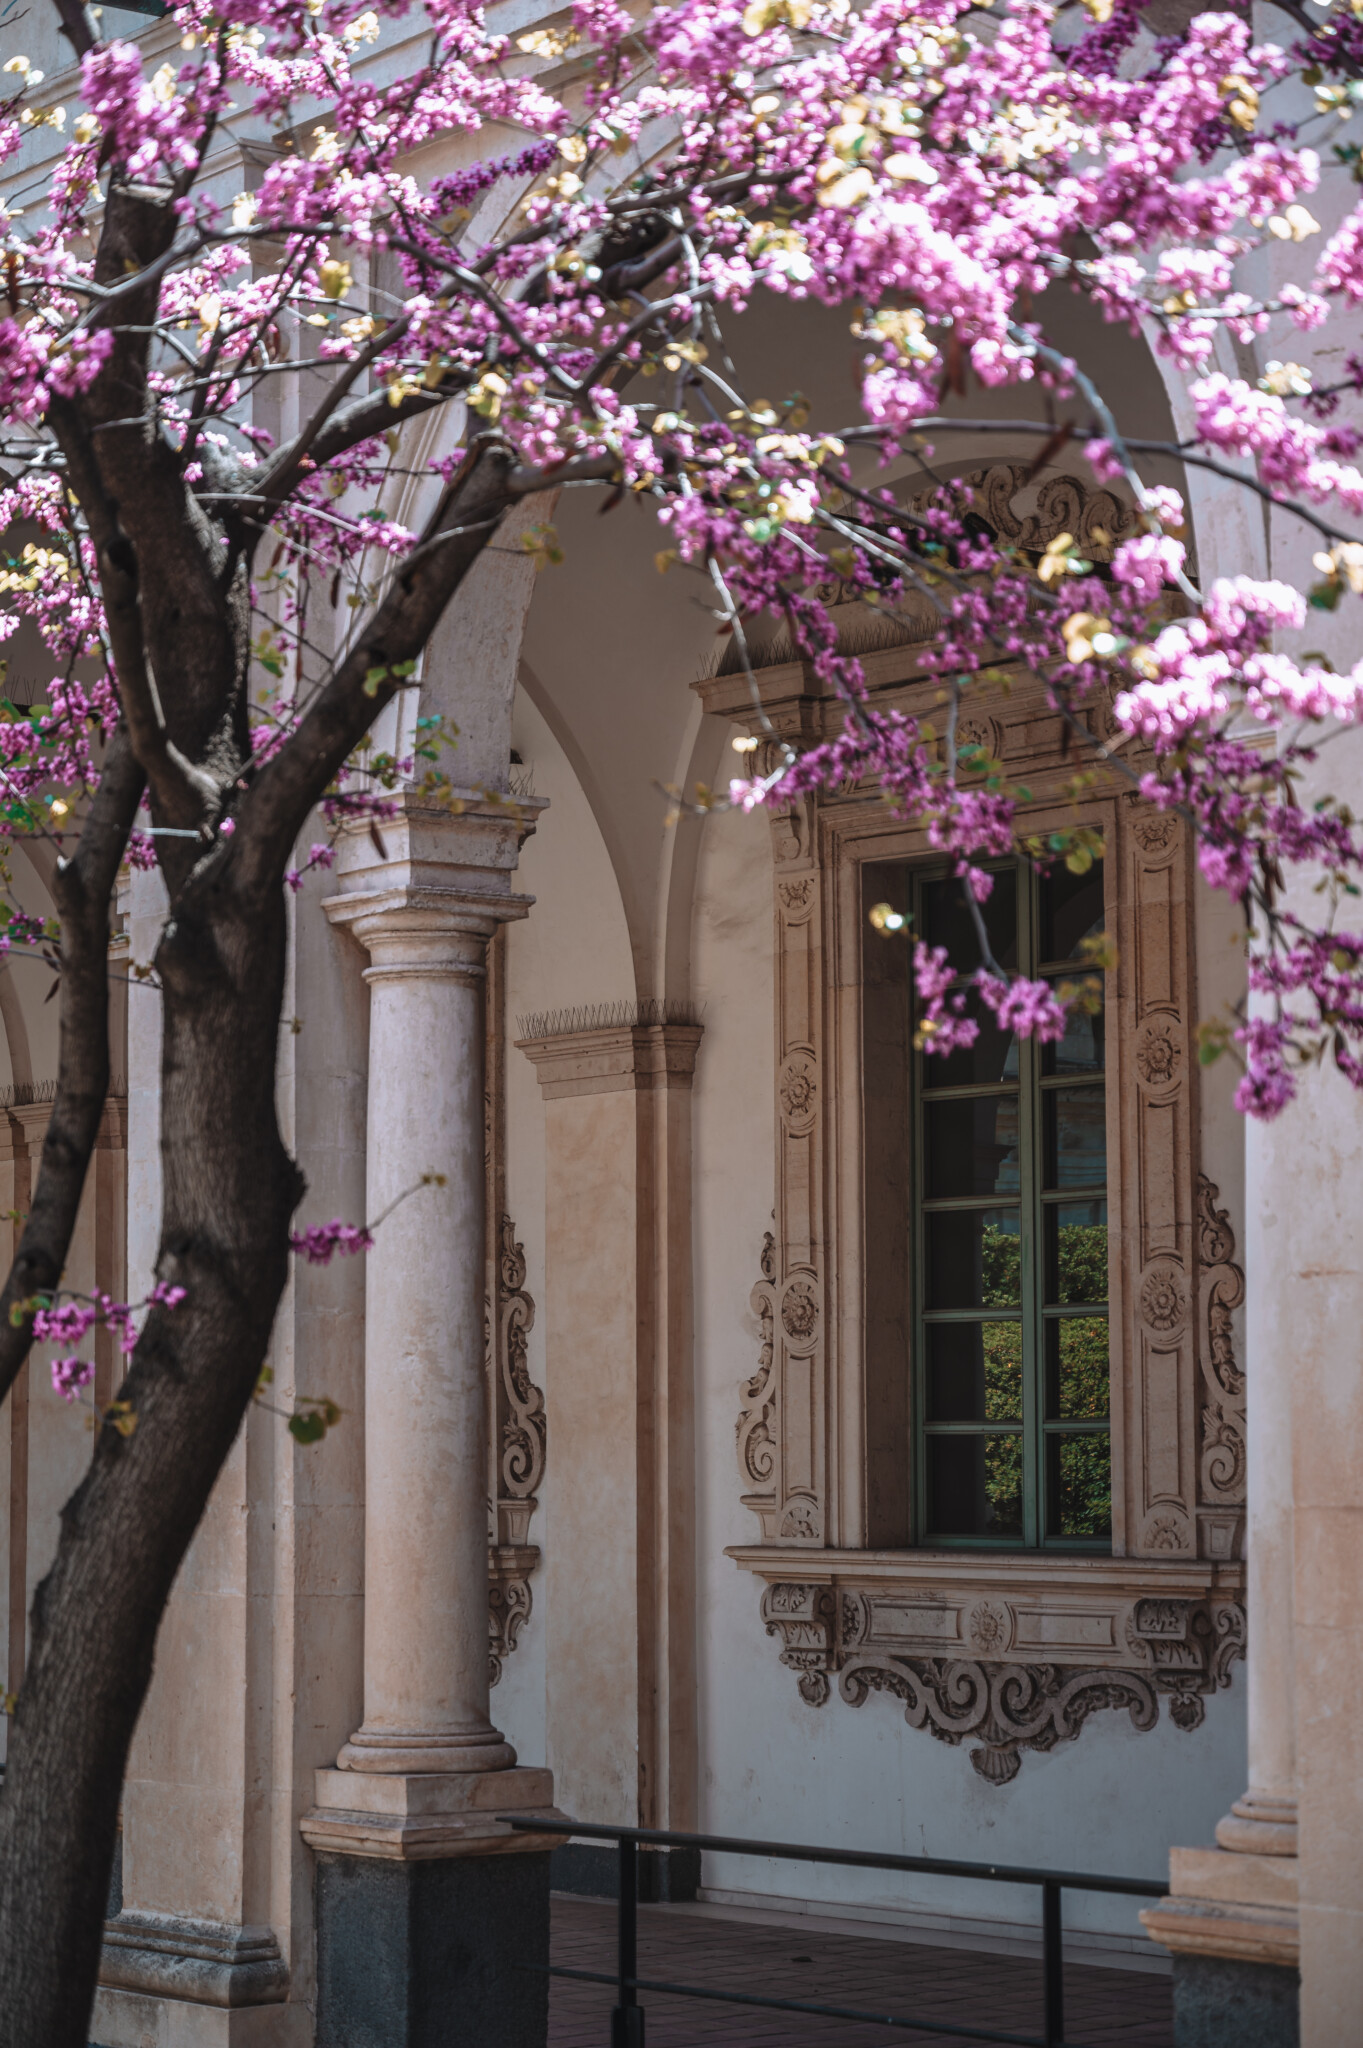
(951, 1654)
(604, 1062)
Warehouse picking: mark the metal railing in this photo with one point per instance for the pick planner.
(627, 2017)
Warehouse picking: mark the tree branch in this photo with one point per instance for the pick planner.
(272, 813)
(83, 887)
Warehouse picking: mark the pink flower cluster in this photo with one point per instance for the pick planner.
(934, 174)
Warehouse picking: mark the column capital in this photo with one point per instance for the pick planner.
(424, 891)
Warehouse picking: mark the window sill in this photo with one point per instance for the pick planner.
(1015, 1649)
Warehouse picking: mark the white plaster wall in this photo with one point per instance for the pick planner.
(1113, 1801)
(572, 949)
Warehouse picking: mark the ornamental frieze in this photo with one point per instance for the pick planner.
(958, 1663)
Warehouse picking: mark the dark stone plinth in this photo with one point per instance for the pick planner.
(667, 1876)
(1219, 2003)
(449, 1953)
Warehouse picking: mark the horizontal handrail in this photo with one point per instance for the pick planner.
(856, 1859)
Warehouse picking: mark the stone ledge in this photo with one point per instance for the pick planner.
(421, 1838)
(202, 1961)
(421, 1815)
(1239, 1933)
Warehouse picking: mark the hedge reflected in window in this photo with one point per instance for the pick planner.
(1012, 1372)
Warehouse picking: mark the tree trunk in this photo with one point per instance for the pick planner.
(229, 1189)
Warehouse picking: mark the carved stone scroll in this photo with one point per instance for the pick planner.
(756, 1428)
(516, 1418)
(1222, 1467)
(1162, 1646)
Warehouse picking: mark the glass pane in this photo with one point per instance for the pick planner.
(974, 1372)
(1079, 1477)
(1078, 1384)
(1071, 910)
(1076, 1138)
(1081, 1050)
(993, 1056)
(1076, 1252)
(975, 1486)
(946, 921)
(974, 1259)
(972, 1146)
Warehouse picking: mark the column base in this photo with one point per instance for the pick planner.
(447, 1952)
(426, 1815)
(1231, 1921)
(1223, 2004)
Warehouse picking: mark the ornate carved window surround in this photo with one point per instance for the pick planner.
(1016, 1649)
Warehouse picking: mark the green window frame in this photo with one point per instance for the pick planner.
(1009, 1237)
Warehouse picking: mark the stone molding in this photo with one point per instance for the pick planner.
(637, 1057)
(416, 1816)
(203, 1961)
(1002, 1651)
(1240, 1906)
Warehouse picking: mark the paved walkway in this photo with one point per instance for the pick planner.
(1103, 2008)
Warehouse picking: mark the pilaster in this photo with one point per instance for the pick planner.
(618, 1343)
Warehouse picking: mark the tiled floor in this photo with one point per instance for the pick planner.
(1103, 2008)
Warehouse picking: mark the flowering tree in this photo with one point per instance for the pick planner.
(932, 166)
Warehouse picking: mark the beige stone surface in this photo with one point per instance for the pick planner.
(128, 2019)
(1234, 1879)
(620, 1688)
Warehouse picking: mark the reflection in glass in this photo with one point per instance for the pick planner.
(1079, 1483)
(975, 1486)
(1076, 1138)
(973, 1259)
(946, 921)
(972, 1146)
(1081, 1050)
(1071, 910)
(974, 1372)
(993, 1056)
(1076, 1251)
(1078, 1382)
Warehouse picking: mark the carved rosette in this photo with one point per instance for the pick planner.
(1222, 1467)
(1175, 1648)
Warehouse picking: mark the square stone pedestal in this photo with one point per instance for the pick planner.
(1231, 1921)
(432, 1916)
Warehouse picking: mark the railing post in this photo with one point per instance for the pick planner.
(1053, 1964)
(627, 2020)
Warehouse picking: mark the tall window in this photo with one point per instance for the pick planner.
(1011, 1377)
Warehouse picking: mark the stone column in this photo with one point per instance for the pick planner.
(405, 1824)
(620, 1371)
(1231, 1917)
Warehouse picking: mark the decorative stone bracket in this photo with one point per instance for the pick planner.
(958, 1656)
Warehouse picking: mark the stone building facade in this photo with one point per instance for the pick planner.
(640, 1507)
